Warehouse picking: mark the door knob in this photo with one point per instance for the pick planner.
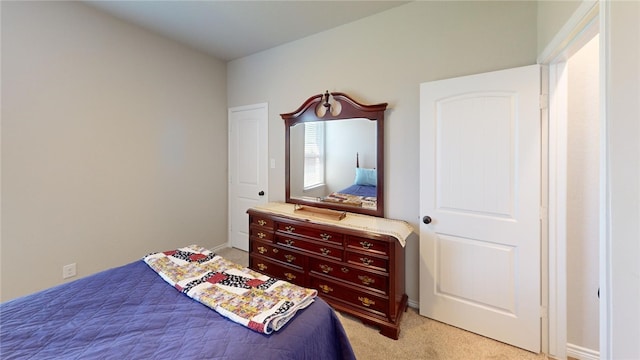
(261, 193)
(426, 219)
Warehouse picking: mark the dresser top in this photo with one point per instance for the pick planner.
(396, 228)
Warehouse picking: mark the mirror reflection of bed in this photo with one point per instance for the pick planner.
(361, 192)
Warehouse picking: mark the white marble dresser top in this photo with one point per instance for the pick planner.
(396, 228)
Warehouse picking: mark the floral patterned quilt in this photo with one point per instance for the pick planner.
(259, 302)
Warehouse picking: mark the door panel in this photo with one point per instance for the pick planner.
(480, 184)
(248, 171)
(487, 272)
(475, 141)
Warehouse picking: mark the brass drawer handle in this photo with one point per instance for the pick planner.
(366, 301)
(325, 288)
(262, 222)
(262, 267)
(262, 235)
(275, 251)
(289, 276)
(289, 242)
(345, 269)
(262, 249)
(366, 280)
(325, 237)
(326, 268)
(290, 258)
(366, 245)
(325, 251)
(366, 261)
(290, 229)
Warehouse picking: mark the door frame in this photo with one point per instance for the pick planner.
(230, 155)
(589, 19)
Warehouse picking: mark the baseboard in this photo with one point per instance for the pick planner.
(581, 353)
(222, 246)
(413, 304)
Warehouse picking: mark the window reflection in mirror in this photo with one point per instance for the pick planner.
(314, 155)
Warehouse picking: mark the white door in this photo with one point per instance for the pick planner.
(480, 186)
(248, 169)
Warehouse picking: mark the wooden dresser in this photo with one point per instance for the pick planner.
(355, 264)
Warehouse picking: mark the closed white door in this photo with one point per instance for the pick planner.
(248, 169)
(480, 199)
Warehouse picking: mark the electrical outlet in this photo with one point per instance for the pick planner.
(69, 271)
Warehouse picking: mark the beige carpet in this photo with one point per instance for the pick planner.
(420, 337)
(423, 338)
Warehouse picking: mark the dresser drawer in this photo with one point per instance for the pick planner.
(327, 288)
(260, 232)
(317, 248)
(261, 221)
(277, 252)
(270, 268)
(364, 244)
(323, 235)
(364, 259)
(350, 273)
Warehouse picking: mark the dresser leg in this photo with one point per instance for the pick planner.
(392, 332)
(392, 329)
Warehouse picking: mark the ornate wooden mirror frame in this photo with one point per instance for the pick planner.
(329, 107)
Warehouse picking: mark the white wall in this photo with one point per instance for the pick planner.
(623, 134)
(583, 203)
(552, 15)
(384, 58)
(113, 143)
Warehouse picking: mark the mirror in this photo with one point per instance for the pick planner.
(334, 154)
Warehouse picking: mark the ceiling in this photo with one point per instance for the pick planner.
(230, 29)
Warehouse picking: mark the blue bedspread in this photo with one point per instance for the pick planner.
(360, 190)
(129, 312)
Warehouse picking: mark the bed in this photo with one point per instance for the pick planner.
(362, 193)
(354, 195)
(130, 312)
